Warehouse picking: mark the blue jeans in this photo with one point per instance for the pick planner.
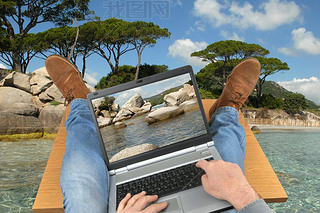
(84, 175)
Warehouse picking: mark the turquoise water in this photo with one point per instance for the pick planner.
(21, 168)
(295, 156)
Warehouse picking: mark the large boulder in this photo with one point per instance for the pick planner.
(134, 101)
(18, 80)
(102, 121)
(189, 89)
(175, 98)
(163, 113)
(131, 151)
(123, 114)
(11, 95)
(18, 124)
(120, 125)
(23, 109)
(41, 71)
(50, 117)
(189, 105)
(52, 93)
(39, 83)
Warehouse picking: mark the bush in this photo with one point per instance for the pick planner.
(295, 103)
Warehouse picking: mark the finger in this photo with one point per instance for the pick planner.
(142, 202)
(202, 164)
(135, 198)
(156, 207)
(123, 202)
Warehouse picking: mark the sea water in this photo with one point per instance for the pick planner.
(295, 157)
(21, 168)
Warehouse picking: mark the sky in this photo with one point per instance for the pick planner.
(152, 89)
(288, 29)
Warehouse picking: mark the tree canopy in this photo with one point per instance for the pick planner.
(24, 15)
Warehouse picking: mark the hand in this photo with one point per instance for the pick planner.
(138, 203)
(225, 180)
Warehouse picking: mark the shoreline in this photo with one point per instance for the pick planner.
(28, 136)
(284, 128)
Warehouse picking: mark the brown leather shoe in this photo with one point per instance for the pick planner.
(239, 85)
(67, 78)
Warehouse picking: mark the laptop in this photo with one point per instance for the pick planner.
(153, 131)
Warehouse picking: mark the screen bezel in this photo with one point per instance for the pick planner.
(163, 150)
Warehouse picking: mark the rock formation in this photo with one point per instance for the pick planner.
(131, 151)
(163, 113)
(25, 103)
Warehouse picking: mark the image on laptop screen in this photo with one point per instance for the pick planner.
(149, 117)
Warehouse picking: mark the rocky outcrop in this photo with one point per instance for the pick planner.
(190, 105)
(18, 124)
(50, 117)
(281, 118)
(11, 95)
(163, 113)
(128, 152)
(134, 101)
(18, 80)
(27, 99)
(182, 95)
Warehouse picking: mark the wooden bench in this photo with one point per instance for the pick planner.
(257, 168)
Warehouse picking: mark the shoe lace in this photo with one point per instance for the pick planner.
(69, 97)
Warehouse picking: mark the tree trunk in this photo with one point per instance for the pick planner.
(138, 67)
(83, 66)
(17, 66)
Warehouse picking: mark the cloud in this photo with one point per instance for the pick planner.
(92, 78)
(303, 41)
(269, 15)
(183, 48)
(233, 36)
(308, 87)
(3, 66)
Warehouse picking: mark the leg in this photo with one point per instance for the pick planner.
(228, 135)
(84, 176)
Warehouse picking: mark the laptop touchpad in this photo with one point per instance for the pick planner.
(174, 206)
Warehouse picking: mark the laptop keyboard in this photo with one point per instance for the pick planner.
(164, 183)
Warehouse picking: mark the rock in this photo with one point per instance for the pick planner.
(131, 151)
(50, 117)
(115, 107)
(41, 71)
(18, 124)
(102, 122)
(39, 83)
(52, 93)
(23, 109)
(189, 89)
(123, 114)
(11, 95)
(163, 113)
(18, 80)
(134, 101)
(106, 114)
(175, 98)
(120, 125)
(190, 105)
(255, 130)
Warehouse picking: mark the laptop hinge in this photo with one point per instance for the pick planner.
(121, 170)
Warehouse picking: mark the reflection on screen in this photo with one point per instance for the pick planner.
(149, 117)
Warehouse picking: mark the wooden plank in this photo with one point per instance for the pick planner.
(257, 168)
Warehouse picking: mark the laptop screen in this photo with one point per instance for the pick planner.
(148, 117)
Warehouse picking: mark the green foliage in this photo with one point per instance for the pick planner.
(205, 94)
(55, 103)
(267, 101)
(295, 103)
(126, 74)
(107, 103)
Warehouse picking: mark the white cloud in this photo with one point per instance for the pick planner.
(183, 48)
(303, 41)
(308, 87)
(233, 36)
(3, 66)
(269, 15)
(92, 78)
